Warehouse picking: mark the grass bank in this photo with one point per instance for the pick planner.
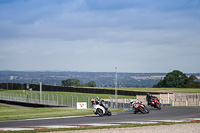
(102, 96)
(11, 112)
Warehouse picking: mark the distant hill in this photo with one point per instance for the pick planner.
(102, 79)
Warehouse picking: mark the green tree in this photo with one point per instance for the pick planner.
(173, 79)
(192, 82)
(91, 84)
(70, 82)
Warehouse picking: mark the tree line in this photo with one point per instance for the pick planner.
(177, 79)
(76, 82)
(174, 79)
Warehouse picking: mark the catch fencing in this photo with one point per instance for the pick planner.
(56, 99)
(62, 100)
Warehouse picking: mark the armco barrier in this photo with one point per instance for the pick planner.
(12, 86)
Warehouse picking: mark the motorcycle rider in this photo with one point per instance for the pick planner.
(134, 106)
(100, 102)
(150, 98)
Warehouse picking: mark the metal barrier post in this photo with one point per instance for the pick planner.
(44, 99)
(66, 100)
(76, 99)
(52, 99)
(57, 99)
(72, 101)
(48, 98)
(88, 101)
(61, 99)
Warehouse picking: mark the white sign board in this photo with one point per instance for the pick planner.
(81, 105)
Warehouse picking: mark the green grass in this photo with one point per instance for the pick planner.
(102, 127)
(10, 112)
(106, 96)
(172, 90)
(188, 90)
(102, 96)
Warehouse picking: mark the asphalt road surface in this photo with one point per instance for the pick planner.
(166, 113)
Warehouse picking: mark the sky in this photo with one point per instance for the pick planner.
(139, 36)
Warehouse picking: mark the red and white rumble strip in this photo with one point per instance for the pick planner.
(95, 124)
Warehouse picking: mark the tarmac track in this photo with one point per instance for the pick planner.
(166, 113)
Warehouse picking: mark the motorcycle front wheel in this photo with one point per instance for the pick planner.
(159, 106)
(142, 110)
(109, 113)
(147, 111)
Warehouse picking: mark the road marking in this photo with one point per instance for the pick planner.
(56, 126)
(168, 120)
(99, 124)
(15, 129)
(194, 119)
(137, 122)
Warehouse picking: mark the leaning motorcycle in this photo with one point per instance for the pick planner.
(139, 107)
(153, 101)
(99, 108)
(156, 104)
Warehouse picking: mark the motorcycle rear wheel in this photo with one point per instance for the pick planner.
(99, 112)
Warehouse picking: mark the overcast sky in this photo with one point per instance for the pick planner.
(99, 35)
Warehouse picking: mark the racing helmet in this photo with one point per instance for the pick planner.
(93, 101)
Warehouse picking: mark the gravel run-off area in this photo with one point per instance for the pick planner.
(177, 128)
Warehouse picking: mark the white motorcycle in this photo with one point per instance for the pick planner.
(99, 108)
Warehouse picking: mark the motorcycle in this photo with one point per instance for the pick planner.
(99, 108)
(153, 101)
(139, 107)
(156, 104)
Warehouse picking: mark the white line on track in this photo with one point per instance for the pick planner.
(56, 126)
(136, 122)
(168, 120)
(99, 124)
(15, 129)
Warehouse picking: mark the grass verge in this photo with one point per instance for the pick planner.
(102, 127)
(103, 96)
(10, 112)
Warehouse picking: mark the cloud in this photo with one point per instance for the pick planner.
(87, 35)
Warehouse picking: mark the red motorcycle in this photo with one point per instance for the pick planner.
(156, 104)
(139, 107)
(153, 101)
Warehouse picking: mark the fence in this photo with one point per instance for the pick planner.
(58, 99)
(181, 99)
(175, 99)
(165, 99)
(53, 99)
